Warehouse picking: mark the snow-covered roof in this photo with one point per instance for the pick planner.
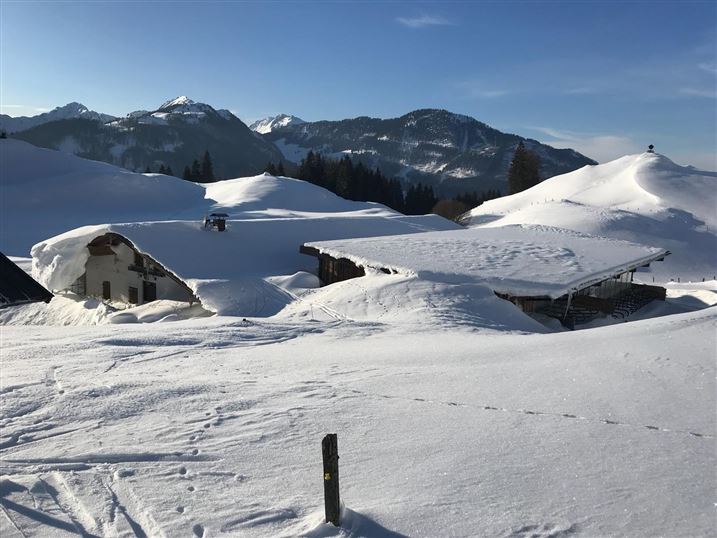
(645, 198)
(226, 270)
(514, 260)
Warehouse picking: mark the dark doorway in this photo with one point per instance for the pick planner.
(149, 291)
(133, 295)
(106, 292)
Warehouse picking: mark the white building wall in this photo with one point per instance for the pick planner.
(114, 269)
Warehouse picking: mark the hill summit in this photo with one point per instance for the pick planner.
(645, 198)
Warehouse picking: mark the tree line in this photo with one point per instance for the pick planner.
(201, 172)
(356, 181)
(363, 184)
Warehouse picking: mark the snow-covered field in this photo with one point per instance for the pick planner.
(456, 414)
(212, 427)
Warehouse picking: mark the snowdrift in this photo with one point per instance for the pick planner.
(644, 198)
(46, 192)
(266, 195)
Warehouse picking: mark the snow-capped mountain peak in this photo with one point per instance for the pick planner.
(177, 101)
(271, 123)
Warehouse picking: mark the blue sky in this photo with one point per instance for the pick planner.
(606, 78)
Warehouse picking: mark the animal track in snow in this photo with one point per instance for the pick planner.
(536, 413)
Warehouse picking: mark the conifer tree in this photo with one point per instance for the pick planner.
(161, 169)
(196, 173)
(187, 173)
(524, 169)
(344, 175)
(148, 170)
(207, 173)
(280, 169)
(168, 171)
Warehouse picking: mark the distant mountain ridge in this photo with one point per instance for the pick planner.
(69, 111)
(452, 152)
(174, 134)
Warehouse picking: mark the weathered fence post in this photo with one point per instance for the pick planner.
(332, 502)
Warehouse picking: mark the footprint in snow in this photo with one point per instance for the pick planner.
(198, 530)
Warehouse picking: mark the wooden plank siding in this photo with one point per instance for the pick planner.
(332, 269)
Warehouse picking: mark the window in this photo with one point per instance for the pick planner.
(79, 286)
(133, 295)
(106, 291)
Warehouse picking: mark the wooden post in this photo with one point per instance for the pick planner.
(332, 502)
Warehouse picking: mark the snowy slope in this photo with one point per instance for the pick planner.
(266, 195)
(47, 192)
(213, 427)
(644, 198)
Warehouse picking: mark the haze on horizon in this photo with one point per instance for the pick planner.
(604, 78)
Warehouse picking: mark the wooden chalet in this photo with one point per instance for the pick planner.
(116, 271)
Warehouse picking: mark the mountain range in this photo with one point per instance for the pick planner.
(176, 133)
(69, 111)
(452, 152)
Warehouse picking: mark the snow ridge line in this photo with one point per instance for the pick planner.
(537, 413)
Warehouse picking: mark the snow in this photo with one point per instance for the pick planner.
(291, 152)
(515, 260)
(177, 101)
(213, 426)
(644, 198)
(456, 414)
(226, 270)
(267, 125)
(261, 194)
(46, 192)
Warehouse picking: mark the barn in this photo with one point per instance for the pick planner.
(543, 270)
